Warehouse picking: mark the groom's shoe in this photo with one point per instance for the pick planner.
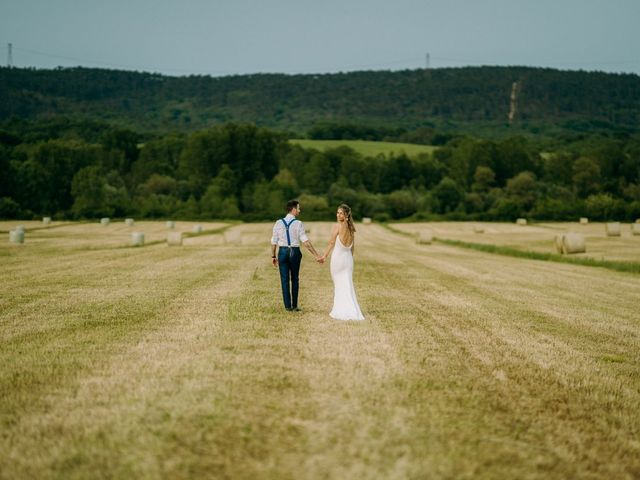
(296, 309)
(288, 309)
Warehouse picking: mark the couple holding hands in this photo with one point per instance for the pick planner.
(288, 233)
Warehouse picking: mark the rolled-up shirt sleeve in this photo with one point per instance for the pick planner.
(274, 235)
(303, 235)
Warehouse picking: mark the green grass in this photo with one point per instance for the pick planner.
(631, 267)
(367, 148)
(627, 266)
(182, 363)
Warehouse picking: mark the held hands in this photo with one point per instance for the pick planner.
(320, 260)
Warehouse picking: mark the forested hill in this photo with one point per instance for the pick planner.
(408, 99)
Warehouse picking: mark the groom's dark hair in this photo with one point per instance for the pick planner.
(291, 204)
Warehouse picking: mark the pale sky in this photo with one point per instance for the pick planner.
(227, 37)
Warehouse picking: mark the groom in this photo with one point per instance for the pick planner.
(288, 232)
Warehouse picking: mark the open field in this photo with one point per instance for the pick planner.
(538, 237)
(368, 148)
(179, 362)
(61, 236)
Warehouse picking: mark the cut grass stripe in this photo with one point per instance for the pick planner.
(204, 233)
(628, 267)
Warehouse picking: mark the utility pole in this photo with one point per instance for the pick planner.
(9, 56)
(428, 61)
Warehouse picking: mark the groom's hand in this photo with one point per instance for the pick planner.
(274, 262)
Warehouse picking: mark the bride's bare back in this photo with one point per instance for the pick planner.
(346, 237)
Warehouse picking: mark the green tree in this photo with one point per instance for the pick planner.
(160, 156)
(9, 208)
(603, 206)
(353, 168)
(220, 200)
(315, 207)
(372, 205)
(318, 175)
(126, 143)
(483, 179)
(558, 168)
(156, 205)
(202, 157)
(296, 159)
(514, 155)
(286, 183)
(339, 193)
(522, 190)
(96, 194)
(467, 155)
(44, 177)
(586, 176)
(448, 195)
(189, 209)
(401, 203)
(158, 185)
(6, 172)
(428, 171)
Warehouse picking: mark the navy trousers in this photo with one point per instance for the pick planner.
(289, 263)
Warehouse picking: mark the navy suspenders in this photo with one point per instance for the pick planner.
(286, 226)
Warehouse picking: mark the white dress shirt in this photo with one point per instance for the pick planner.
(296, 232)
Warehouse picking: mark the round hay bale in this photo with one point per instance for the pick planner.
(171, 224)
(233, 237)
(635, 229)
(559, 241)
(573, 243)
(129, 221)
(16, 236)
(521, 221)
(197, 229)
(20, 228)
(105, 221)
(366, 220)
(137, 239)
(425, 237)
(612, 229)
(584, 220)
(174, 239)
(46, 220)
(478, 229)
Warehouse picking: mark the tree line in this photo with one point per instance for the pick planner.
(84, 169)
(473, 100)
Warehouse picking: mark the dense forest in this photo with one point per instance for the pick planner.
(86, 169)
(471, 100)
(85, 143)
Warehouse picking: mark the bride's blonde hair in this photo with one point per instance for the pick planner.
(346, 209)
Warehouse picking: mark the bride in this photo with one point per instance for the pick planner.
(345, 304)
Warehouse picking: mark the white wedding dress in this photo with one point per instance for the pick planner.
(345, 304)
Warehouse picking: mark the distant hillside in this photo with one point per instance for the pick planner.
(473, 98)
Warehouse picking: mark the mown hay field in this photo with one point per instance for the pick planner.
(537, 237)
(180, 362)
(61, 236)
